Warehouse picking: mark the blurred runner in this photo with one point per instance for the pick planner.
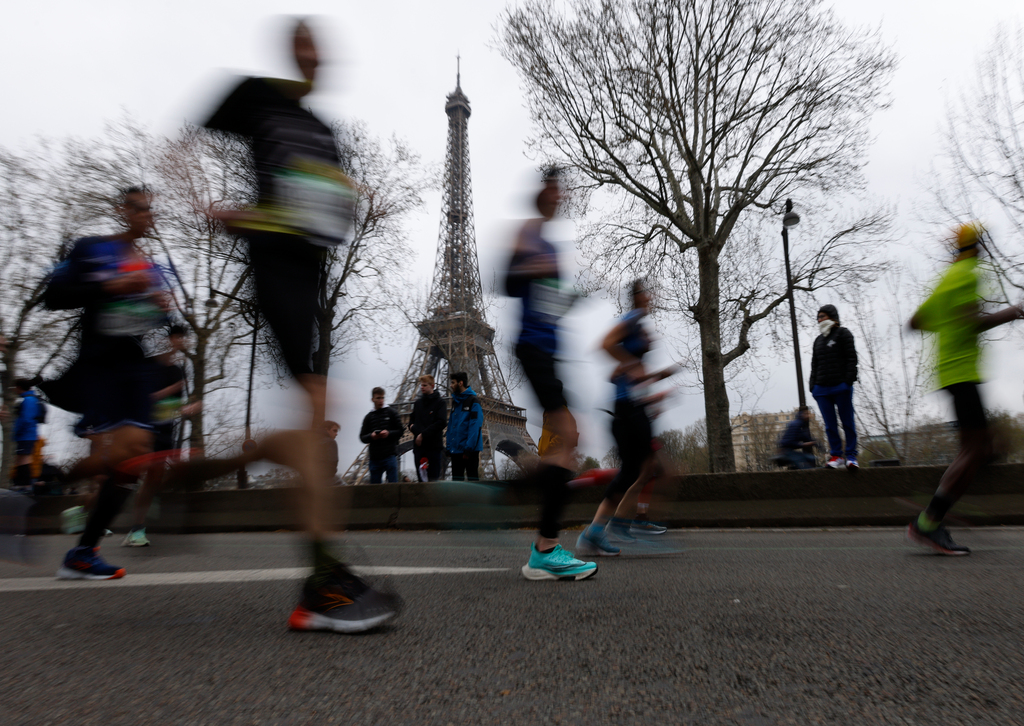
(305, 203)
(533, 276)
(123, 298)
(628, 342)
(954, 312)
(169, 404)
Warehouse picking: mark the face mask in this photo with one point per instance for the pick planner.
(826, 325)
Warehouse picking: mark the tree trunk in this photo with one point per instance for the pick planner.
(196, 438)
(325, 326)
(7, 397)
(716, 396)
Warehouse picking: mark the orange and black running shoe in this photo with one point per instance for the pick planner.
(343, 603)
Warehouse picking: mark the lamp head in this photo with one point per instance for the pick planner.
(790, 218)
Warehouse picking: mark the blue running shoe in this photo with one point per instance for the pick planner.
(558, 564)
(594, 543)
(643, 528)
(84, 563)
(618, 531)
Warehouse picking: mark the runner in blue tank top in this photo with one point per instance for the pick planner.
(533, 276)
(628, 343)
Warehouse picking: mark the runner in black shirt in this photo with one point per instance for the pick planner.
(305, 204)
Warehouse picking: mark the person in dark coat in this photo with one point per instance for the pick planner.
(381, 430)
(429, 417)
(833, 373)
(796, 443)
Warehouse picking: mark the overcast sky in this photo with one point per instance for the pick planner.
(69, 66)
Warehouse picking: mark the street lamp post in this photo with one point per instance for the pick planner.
(792, 219)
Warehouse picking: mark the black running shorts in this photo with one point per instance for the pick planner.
(539, 369)
(286, 270)
(116, 393)
(970, 414)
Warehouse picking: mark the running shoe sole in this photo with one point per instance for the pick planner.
(66, 573)
(303, 619)
(134, 543)
(916, 538)
(642, 532)
(532, 573)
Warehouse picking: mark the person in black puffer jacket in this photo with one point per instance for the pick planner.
(833, 373)
(427, 424)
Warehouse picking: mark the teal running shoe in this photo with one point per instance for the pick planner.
(594, 543)
(72, 520)
(136, 538)
(558, 564)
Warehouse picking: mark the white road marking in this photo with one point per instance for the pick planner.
(27, 584)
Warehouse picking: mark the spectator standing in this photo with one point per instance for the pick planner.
(331, 429)
(30, 413)
(382, 430)
(833, 373)
(427, 426)
(797, 443)
(465, 429)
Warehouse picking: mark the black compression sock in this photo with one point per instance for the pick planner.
(108, 504)
(23, 475)
(938, 507)
(323, 563)
(553, 481)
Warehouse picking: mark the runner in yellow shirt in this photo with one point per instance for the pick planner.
(954, 312)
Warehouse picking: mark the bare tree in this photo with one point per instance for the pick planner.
(34, 220)
(893, 368)
(355, 301)
(981, 172)
(688, 448)
(52, 193)
(193, 172)
(701, 117)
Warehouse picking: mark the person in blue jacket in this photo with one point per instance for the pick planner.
(797, 443)
(465, 430)
(26, 431)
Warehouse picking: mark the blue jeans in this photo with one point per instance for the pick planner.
(388, 465)
(830, 399)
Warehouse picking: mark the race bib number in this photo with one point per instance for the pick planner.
(549, 298)
(316, 199)
(132, 317)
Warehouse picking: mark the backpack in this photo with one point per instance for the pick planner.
(40, 411)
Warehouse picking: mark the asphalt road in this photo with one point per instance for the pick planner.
(732, 627)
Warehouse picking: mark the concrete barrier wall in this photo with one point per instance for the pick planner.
(817, 497)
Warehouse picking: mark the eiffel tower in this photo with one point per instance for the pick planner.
(454, 335)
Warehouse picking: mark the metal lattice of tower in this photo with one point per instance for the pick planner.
(454, 335)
